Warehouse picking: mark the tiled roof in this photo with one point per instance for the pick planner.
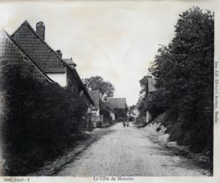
(11, 55)
(69, 61)
(37, 49)
(118, 103)
(151, 85)
(95, 97)
(76, 79)
(105, 106)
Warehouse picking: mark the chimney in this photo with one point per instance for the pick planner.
(40, 30)
(59, 53)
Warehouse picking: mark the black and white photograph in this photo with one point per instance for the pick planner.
(109, 90)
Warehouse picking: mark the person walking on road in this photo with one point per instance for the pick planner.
(126, 120)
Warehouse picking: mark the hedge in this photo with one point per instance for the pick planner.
(40, 122)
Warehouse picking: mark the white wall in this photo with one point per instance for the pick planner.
(112, 115)
(97, 112)
(60, 78)
(148, 116)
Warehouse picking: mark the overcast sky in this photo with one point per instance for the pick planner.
(116, 40)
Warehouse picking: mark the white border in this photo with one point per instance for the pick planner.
(216, 175)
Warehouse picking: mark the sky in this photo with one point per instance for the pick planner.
(116, 40)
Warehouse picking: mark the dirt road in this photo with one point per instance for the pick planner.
(128, 152)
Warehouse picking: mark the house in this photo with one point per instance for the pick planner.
(69, 61)
(95, 95)
(151, 88)
(106, 106)
(11, 55)
(102, 110)
(76, 85)
(120, 107)
(33, 44)
(95, 109)
(62, 71)
(118, 103)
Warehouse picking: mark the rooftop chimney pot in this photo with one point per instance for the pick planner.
(59, 53)
(40, 30)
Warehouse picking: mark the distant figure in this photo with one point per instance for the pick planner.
(127, 120)
(124, 122)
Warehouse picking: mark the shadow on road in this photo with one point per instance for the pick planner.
(71, 154)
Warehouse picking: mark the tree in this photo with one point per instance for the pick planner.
(105, 87)
(184, 68)
(184, 71)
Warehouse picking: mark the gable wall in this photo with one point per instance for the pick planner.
(60, 78)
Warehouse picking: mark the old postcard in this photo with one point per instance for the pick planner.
(109, 91)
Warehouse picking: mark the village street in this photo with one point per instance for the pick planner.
(128, 152)
(71, 73)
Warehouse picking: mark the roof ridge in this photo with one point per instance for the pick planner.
(23, 53)
(44, 42)
(25, 22)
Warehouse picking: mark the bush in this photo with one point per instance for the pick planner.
(42, 119)
(140, 120)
